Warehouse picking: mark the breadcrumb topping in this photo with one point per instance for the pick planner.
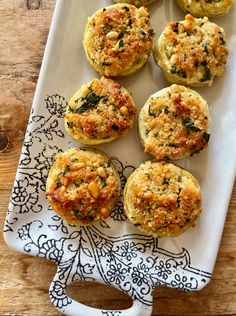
(174, 123)
(82, 186)
(162, 199)
(195, 49)
(101, 110)
(118, 38)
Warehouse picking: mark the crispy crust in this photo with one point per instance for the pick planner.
(201, 8)
(192, 52)
(100, 112)
(162, 199)
(137, 3)
(174, 123)
(82, 186)
(118, 39)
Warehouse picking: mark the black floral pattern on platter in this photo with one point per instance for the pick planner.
(133, 263)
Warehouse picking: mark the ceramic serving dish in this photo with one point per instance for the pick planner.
(114, 252)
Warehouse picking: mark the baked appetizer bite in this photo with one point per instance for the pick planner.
(118, 39)
(209, 8)
(137, 3)
(162, 199)
(174, 123)
(192, 52)
(82, 186)
(100, 112)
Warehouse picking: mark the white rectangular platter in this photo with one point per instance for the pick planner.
(115, 252)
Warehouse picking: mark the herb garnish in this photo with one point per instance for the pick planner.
(71, 110)
(106, 63)
(205, 47)
(150, 111)
(63, 173)
(121, 43)
(206, 137)
(90, 217)
(78, 214)
(173, 70)
(69, 124)
(222, 41)
(207, 74)
(90, 100)
(190, 126)
(106, 27)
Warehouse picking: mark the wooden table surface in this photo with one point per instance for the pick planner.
(25, 280)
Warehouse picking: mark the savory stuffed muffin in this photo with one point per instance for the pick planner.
(118, 39)
(82, 186)
(162, 199)
(192, 52)
(100, 112)
(209, 8)
(137, 3)
(174, 123)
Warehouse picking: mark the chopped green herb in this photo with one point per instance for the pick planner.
(106, 63)
(63, 173)
(71, 110)
(90, 100)
(190, 126)
(121, 34)
(205, 47)
(73, 159)
(173, 145)
(90, 217)
(182, 73)
(105, 99)
(206, 137)
(175, 27)
(165, 181)
(106, 27)
(121, 43)
(173, 70)
(204, 63)
(151, 32)
(103, 181)
(187, 123)
(150, 111)
(130, 22)
(207, 74)
(69, 124)
(78, 214)
(115, 127)
(222, 41)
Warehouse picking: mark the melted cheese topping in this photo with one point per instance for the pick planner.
(192, 51)
(137, 3)
(174, 123)
(100, 112)
(118, 39)
(208, 8)
(162, 199)
(82, 186)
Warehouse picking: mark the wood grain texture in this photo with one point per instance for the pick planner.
(25, 280)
